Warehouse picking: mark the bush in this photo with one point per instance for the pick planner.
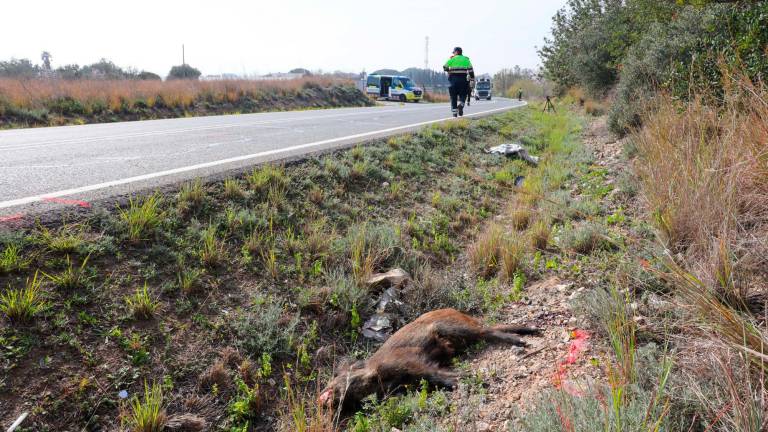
(266, 328)
(184, 71)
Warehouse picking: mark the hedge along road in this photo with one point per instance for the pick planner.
(44, 168)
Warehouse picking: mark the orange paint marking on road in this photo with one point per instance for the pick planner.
(79, 203)
(11, 218)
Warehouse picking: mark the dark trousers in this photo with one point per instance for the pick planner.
(458, 91)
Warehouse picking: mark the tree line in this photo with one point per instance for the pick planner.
(102, 69)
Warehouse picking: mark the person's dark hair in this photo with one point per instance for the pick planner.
(457, 50)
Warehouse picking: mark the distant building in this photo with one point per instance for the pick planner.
(280, 76)
(222, 77)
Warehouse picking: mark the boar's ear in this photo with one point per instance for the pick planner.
(357, 365)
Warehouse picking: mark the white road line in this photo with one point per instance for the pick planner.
(33, 145)
(128, 180)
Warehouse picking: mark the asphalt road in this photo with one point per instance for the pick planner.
(46, 168)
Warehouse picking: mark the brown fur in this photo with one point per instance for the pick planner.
(420, 350)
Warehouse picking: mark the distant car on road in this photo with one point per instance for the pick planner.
(483, 87)
(393, 87)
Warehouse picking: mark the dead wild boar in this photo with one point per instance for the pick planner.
(420, 350)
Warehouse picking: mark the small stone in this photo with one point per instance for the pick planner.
(482, 427)
(385, 184)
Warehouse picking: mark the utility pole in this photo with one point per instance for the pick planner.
(426, 53)
(183, 58)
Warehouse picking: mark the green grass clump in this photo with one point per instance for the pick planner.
(12, 260)
(141, 303)
(68, 239)
(21, 305)
(233, 190)
(266, 176)
(147, 414)
(142, 216)
(212, 251)
(191, 196)
(72, 277)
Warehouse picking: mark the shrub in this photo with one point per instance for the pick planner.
(185, 72)
(586, 238)
(266, 328)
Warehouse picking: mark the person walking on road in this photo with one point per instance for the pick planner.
(460, 72)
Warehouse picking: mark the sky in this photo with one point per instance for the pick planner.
(258, 37)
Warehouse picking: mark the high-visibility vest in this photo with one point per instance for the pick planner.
(458, 64)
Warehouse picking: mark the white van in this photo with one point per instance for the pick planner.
(393, 87)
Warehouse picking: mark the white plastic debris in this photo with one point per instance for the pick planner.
(514, 150)
(18, 421)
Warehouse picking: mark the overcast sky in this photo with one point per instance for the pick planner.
(257, 37)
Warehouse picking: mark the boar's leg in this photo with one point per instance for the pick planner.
(516, 329)
(467, 335)
(492, 335)
(441, 377)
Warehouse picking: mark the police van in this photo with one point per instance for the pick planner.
(483, 87)
(393, 87)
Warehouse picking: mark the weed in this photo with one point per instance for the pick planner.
(483, 253)
(72, 277)
(141, 303)
(316, 195)
(266, 176)
(521, 218)
(142, 216)
(147, 414)
(511, 254)
(539, 234)
(269, 259)
(266, 328)
(188, 280)
(518, 284)
(212, 252)
(191, 196)
(11, 259)
(21, 305)
(67, 239)
(233, 190)
(586, 238)
(246, 404)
